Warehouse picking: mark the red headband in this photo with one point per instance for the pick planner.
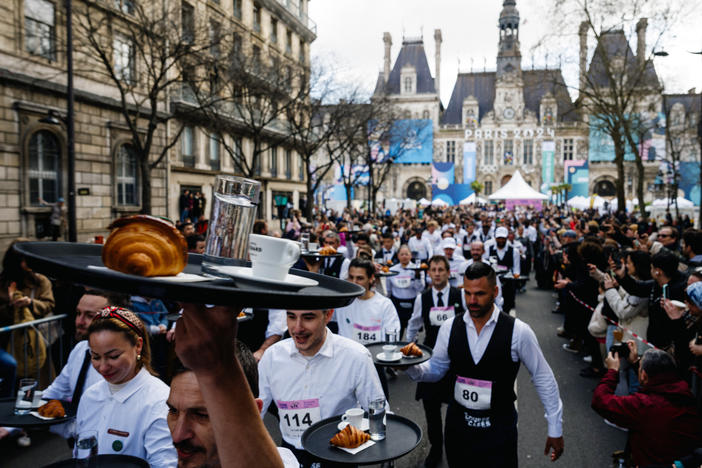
(118, 313)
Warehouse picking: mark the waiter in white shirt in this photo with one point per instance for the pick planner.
(457, 264)
(420, 247)
(433, 235)
(337, 267)
(369, 317)
(431, 309)
(404, 288)
(507, 256)
(313, 375)
(477, 254)
(387, 254)
(481, 352)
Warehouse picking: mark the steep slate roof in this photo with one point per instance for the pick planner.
(616, 45)
(482, 87)
(412, 53)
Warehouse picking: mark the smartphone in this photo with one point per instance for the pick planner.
(665, 291)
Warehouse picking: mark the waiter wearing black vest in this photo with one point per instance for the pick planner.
(433, 308)
(481, 352)
(507, 256)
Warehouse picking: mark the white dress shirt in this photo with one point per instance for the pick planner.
(64, 384)
(434, 239)
(531, 234)
(340, 376)
(525, 348)
(405, 285)
(277, 323)
(421, 246)
(416, 321)
(131, 421)
(516, 258)
(499, 300)
(365, 321)
(457, 267)
(344, 272)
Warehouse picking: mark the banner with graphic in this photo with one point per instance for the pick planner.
(652, 136)
(409, 141)
(690, 180)
(358, 174)
(526, 203)
(577, 174)
(548, 151)
(469, 161)
(442, 174)
(453, 194)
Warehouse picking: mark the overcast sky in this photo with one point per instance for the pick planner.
(349, 34)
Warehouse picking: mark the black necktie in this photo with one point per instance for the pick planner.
(78, 391)
(440, 301)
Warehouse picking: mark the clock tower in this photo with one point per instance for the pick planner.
(509, 95)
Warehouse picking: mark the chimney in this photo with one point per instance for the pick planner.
(582, 32)
(437, 78)
(387, 40)
(641, 41)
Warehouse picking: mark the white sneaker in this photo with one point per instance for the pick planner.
(587, 359)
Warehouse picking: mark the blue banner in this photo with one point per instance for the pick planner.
(548, 150)
(577, 174)
(442, 173)
(690, 180)
(469, 161)
(412, 141)
(453, 194)
(601, 146)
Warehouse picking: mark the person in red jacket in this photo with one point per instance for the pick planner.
(661, 417)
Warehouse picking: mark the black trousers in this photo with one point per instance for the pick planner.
(509, 292)
(404, 309)
(495, 446)
(435, 429)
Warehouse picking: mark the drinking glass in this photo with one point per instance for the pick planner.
(25, 396)
(391, 335)
(618, 335)
(305, 241)
(86, 444)
(376, 419)
(234, 205)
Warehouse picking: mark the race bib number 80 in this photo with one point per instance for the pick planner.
(473, 394)
(297, 416)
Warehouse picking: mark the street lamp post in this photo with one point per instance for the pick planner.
(70, 127)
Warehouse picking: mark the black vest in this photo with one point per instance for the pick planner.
(432, 331)
(507, 260)
(379, 256)
(335, 268)
(496, 364)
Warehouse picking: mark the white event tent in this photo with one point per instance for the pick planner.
(517, 189)
(472, 199)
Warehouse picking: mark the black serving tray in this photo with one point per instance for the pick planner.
(401, 437)
(8, 418)
(72, 261)
(102, 461)
(405, 361)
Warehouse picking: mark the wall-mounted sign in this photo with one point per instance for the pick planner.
(487, 134)
(84, 191)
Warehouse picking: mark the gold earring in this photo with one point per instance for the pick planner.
(138, 357)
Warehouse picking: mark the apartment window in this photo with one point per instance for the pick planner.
(44, 156)
(528, 152)
(288, 42)
(236, 45)
(508, 157)
(256, 58)
(295, 6)
(488, 152)
(236, 6)
(257, 164)
(288, 164)
(488, 187)
(127, 176)
(40, 28)
(274, 31)
(274, 162)
(301, 52)
(425, 114)
(257, 18)
(215, 37)
(451, 151)
(123, 57)
(125, 6)
(567, 149)
(187, 19)
(301, 168)
(187, 146)
(215, 159)
(238, 155)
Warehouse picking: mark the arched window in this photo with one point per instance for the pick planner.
(127, 176)
(43, 173)
(425, 114)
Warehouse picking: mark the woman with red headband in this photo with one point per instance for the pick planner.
(128, 408)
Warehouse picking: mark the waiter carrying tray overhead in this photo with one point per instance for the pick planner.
(481, 352)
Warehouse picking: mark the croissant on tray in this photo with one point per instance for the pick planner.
(411, 349)
(146, 246)
(350, 437)
(327, 250)
(52, 409)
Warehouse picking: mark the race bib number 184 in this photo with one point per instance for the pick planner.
(366, 335)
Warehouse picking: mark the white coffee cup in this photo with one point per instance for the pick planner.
(389, 351)
(353, 416)
(272, 257)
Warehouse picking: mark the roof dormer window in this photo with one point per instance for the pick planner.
(408, 79)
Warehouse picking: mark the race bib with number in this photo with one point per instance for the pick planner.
(453, 274)
(473, 394)
(402, 282)
(438, 315)
(296, 416)
(366, 335)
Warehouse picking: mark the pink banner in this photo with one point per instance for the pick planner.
(525, 203)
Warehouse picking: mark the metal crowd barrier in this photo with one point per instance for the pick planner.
(25, 326)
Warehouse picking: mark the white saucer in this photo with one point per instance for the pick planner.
(245, 274)
(364, 425)
(679, 304)
(395, 357)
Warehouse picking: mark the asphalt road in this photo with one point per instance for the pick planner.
(588, 441)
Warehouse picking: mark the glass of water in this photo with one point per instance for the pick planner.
(86, 444)
(25, 396)
(305, 241)
(376, 419)
(234, 205)
(391, 335)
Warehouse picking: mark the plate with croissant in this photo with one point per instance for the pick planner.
(329, 441)
(409, 354)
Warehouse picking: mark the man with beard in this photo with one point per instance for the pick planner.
(477, 254)
(189, 422)
(481, 352)
(506, 255)
(313, 375)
